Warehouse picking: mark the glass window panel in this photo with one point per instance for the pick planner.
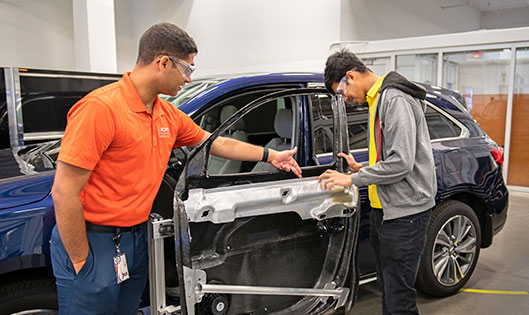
(52, 97)
(519, 149)
(357, 126)
(439, 126)
(420, 68)
(189, 91)
(379, 66)
(482, 77)
(323, 125)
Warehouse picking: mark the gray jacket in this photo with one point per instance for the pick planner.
(405, 175)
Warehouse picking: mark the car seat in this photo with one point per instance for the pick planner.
(218, 165)
(284, 129)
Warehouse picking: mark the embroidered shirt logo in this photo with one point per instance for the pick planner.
(163, 132)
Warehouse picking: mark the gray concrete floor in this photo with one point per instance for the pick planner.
(504, 266)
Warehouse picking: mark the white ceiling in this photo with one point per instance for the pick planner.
(498, 5)
(485, 5)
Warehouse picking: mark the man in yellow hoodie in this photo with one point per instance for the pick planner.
(400, 173)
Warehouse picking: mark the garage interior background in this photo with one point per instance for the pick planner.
(236, 36)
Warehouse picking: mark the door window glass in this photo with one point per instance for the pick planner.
(323, 129)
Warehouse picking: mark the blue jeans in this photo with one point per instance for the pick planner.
(94, 290)
(398, 246)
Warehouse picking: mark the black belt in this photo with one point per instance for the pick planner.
(113, 229)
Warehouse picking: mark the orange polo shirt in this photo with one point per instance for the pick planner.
(111, 133)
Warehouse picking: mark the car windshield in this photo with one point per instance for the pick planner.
(189, 91)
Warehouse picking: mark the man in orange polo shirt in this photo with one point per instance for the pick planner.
(113, 157)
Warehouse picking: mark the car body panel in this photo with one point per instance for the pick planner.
(25, 232)
(32, 189)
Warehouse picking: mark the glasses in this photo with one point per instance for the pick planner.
(341, 86)
(343, 83)
(185, 69)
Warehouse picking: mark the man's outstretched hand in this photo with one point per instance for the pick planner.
(284, 161)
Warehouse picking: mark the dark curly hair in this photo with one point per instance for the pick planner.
(338, 64)
(165, 38)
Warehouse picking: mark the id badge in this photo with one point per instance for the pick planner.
(122, 271)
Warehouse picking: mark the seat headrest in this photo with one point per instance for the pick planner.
(226, 112)
(283, 123)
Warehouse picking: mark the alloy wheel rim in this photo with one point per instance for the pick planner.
(454, 250)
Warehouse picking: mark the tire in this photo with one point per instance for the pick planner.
(452, 243)
(37, 296)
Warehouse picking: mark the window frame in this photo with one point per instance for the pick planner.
(464, 134)
(464, 130)
(327, 154)
(295, 104)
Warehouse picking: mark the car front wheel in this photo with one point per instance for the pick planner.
(32, 296)
(452, 249)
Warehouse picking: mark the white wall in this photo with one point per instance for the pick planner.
(274, 35)
(95, 35)
(386, 19)
(126, 43)
(240, 35)
(232, 35)
(37, 34)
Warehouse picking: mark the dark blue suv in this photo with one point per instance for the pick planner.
(246, 225)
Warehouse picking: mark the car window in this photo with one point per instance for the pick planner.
(357, 117)
(440, 126)
(270, 125)
(189, 91)
(322, 125)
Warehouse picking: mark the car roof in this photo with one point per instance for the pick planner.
(226, 83)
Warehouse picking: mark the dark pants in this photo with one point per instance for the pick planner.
(94, 290)
(398, 245)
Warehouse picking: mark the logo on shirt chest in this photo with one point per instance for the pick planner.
(163, 132)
